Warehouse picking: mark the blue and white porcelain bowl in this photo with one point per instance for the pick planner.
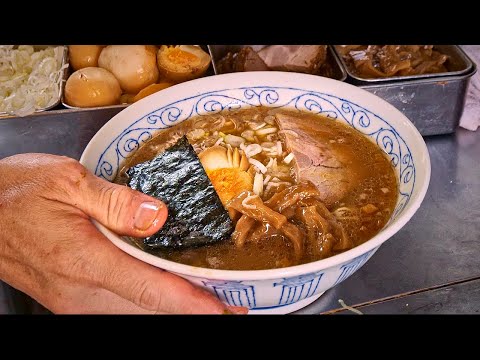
(277, 290)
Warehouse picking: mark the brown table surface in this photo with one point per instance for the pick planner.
(432, 265)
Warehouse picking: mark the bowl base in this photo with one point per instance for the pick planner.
(286, 309)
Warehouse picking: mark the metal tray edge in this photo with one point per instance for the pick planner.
(395, 79)
(437, 79)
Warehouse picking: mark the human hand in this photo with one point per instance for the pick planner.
(50, 250)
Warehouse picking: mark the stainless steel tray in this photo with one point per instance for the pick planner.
(217, 52)
(69, 72)
(123, 105)
(62, 85)
(434, 104)
(459, 63)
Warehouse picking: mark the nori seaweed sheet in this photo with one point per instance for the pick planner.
(196, 215)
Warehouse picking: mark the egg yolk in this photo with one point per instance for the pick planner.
(181, 57)
(229, 182)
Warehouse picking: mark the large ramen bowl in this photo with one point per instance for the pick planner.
(286, 289)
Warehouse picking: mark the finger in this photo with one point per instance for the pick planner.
(83, 300)
(121, 209)
(240, 310)
(147, 286)
(86, 300)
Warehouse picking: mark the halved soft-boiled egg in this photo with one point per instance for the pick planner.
(227, 170)
(182, 62)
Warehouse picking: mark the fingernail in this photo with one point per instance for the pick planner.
(146, 215)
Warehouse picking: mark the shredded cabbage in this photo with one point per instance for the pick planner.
(29, 80)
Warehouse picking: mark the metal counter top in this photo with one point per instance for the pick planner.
(432, 265)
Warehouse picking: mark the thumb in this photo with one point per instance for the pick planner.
(120, 208)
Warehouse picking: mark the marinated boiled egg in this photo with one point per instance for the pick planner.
(182, 63)
(92, 86)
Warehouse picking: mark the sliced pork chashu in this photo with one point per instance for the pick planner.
(297, 58)
(318, 160)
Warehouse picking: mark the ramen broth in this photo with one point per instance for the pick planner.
(316, 226)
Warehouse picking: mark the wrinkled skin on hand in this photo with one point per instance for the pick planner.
(50, 249)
